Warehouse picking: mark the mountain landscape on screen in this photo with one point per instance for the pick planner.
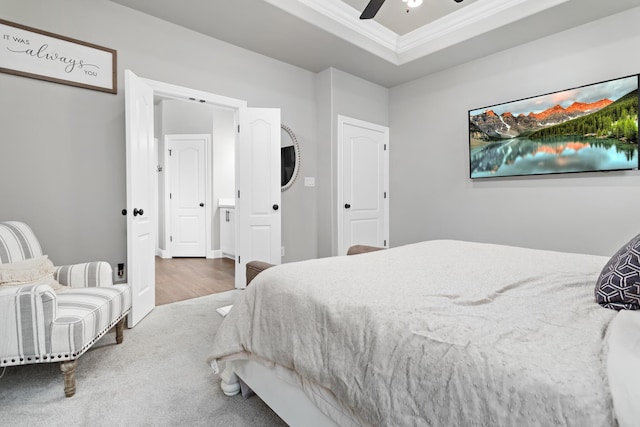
(490, 125)
(591, 128)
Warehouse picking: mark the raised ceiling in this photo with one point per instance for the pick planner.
(395, 47)
(397, 17)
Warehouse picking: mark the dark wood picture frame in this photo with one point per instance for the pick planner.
(29, 52)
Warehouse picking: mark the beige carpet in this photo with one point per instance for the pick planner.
(158, 376)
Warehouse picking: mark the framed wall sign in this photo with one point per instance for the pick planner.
(28, 52)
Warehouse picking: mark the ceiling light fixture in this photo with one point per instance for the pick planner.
(374, 5)
(413, 3)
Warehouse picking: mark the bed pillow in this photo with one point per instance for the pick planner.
(618, 286)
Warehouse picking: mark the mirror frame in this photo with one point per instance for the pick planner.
(296, 149)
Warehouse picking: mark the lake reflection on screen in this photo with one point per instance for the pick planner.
(521, 156)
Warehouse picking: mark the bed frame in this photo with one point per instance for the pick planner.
(285, 399)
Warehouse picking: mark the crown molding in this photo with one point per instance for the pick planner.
(341, 20)
(471, 21)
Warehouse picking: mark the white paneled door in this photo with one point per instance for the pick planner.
(363, 180)
(187, 192)
(140, 167)
(258, 189)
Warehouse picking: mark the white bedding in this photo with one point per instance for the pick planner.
(437, 333)
(623, 367)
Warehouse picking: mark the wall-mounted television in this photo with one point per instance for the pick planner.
(590, 128)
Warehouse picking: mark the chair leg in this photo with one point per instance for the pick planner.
(68, 368)
(120, 330)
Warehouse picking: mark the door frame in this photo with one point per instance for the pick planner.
(345, 120)
(208, 202)
(240, 109)
(175, 92)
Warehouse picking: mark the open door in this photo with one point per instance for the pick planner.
(257, 185)
(140, 196)
(257, 189)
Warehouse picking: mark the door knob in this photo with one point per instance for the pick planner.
(347, 205)
(201, 204)
(124, 211)
(137, 212)
(275, 207)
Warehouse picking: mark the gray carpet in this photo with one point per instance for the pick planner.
(159, 376)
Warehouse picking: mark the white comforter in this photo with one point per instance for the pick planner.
(437, 333)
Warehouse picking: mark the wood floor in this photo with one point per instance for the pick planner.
(179, 279)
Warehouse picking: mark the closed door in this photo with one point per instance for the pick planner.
(187, 192)
(363, 205)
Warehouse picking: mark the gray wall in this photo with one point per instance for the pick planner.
(431, 194)
(62, 160)
(339, 93)
(62, 149)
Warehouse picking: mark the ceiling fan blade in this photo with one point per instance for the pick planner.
(372, 8)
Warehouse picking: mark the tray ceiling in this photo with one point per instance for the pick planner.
(395, 47)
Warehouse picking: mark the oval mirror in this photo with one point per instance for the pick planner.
(289, 157)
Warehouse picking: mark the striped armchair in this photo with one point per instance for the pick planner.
(41, 325)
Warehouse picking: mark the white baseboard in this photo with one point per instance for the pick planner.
(163, 253)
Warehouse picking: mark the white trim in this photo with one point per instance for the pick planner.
(171, 91)
(482, 16)
(167, 202)
(343, 21)
(162, 253)
(168, 90)
(285, 397)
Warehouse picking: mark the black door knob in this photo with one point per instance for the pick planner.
(124, 211)
(347, 205)
(275, 207)
(137, 212)
(201, 204)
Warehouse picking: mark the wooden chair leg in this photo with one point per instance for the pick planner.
(120, 330)
(68, 368)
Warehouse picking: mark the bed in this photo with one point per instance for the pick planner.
(434, 333)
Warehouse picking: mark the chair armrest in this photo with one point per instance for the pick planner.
(362, 249)
(255, 267)
(86, 275)
(26, 315)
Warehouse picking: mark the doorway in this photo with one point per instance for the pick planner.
(257, 184)
(196, 159)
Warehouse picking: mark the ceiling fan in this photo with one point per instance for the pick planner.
(374, 6)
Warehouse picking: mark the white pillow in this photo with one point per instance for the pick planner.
(33, 271)
(27, 271)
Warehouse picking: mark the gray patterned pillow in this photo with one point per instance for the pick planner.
(618, 286)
